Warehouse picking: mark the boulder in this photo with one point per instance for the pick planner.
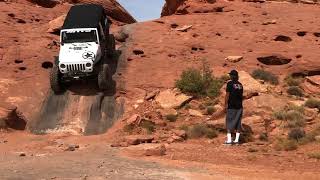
(234, 59)
(195, 113)
(172, 99)
(151, 95)
(166, 112)
(265, 101)
(112, 8)
(250, 85)
(56, 24)
(10, 117)
(174, 139)
(138, 139)
(148, 150)
(315, 80)
(155, 150)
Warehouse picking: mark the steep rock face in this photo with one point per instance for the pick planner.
(112, 7)
(188, 6)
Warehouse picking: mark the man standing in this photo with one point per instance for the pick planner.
(233, 107)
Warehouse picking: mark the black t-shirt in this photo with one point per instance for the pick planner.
(235, 89)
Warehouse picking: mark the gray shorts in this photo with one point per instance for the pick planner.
(233, 119)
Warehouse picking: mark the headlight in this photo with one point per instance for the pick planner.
(88, 65)
(62, 66)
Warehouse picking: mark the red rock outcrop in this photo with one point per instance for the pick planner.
(112, 7)
(189, 6)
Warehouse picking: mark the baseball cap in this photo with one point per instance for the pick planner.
(233, 73)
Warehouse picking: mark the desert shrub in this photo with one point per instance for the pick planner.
(263, 137)
(201, 130)
(171, 117)
(199, 82)
(265, 75)
(315, 155)
(293, 115)
(295, 91)
(210, 110)
(295, 119)
(128, 128)
(148, 125)
(280, 115)
(296, 134)
(313, 103)
(191, 81)
(286, 145)
(293, 81)
(295, 108)
(225, 78)
(184, 127)
(310, 136)
(214, 88)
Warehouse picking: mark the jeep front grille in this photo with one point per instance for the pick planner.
(76, 67)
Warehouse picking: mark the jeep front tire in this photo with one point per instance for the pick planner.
(55, 80)
(104, 77)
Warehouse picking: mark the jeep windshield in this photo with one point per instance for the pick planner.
(79, 36)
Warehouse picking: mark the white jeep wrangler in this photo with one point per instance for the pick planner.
(85, 47)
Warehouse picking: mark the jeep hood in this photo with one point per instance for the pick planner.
(78, 52)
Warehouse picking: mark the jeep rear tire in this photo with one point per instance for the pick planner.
(104, 77)
(55, 80)
(111, 45)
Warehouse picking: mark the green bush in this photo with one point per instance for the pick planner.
(296, 134)
(171, 117)
(295, 91)
(286, 145)
(199, 82)
(191, 81)
(292, 81)
(313, 103)
(201, 130)
(265, 75)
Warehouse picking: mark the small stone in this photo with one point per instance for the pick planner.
(158, 150)
(317, 138)
(138, 139)
(234, 59)
(22, 154)
(180, 133)
(152, 95)
(174, 138)
(166, 112)
(195, 113)
(134, 119)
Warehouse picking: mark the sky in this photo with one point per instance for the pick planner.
(143, 10)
